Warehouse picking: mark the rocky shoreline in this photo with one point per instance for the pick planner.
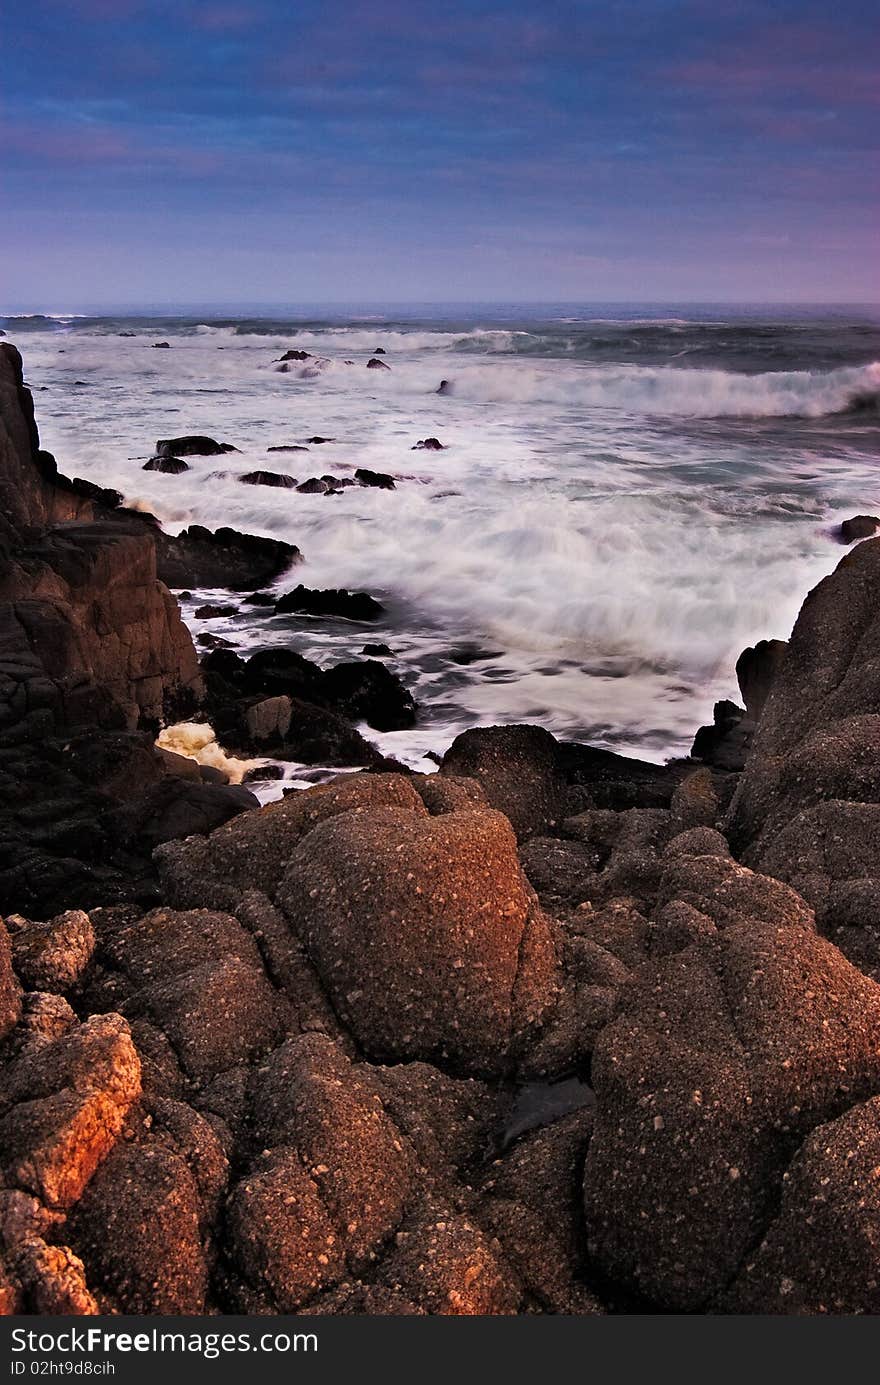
(550, 1031)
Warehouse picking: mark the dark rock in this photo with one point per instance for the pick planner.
(375, 364)
(351, 605)
(207, 641)
(225, 558)
(379, 351)
(294, 355)
(428, 445)
(268, 478)
(726, 743)
(859, 527)
(212, 612)
(445, 387)
(287, 447)
(318, 439)
(161, 345)
(369, 692)
(379, 479)
(192, 445)
(313, 486)
(260, 599)
(378, 651)
(262, 774)
(171, 466)
(756, 671)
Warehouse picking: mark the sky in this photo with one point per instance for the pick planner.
(161, 152)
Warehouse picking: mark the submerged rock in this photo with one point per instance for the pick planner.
(268, 478)
(170, 466)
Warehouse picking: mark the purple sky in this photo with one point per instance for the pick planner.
(275, 152)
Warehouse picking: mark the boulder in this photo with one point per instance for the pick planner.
(859, 527)
(52, 956)
(378, 479)
(519, 771)
(192, 445)
(268, 478)
(63, 1105)
(137, 1230)
(722, 1058)
(820, 1252)
(428, 445)
(424, 933)
(253, 851)
(170, 466)
(368, 691)
(374, 364)
(756, 670)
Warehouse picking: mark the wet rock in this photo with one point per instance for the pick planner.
(859, 527)
(161, 345)
(428, 445)
(756, 670)
(726, 743)
(720, 1061)
(313, 486)
(268, 478)
(208, 641)
(214, 612)
(472, 968)
(375, 364)
(378, 651)
(295, 355)
(52, 956)
(317, 439)
(518, 770)
(192, 445)
(369, 692)
(350, 605)
(378, 479)
(198, 557)
(169, 466)
(445, 387)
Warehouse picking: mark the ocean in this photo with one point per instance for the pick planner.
(626, 498)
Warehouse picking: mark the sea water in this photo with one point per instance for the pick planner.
(626, 498)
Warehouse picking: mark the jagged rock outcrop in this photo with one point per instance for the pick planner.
(807, 809)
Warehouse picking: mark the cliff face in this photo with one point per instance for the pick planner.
(90, 637)
(93, 653)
